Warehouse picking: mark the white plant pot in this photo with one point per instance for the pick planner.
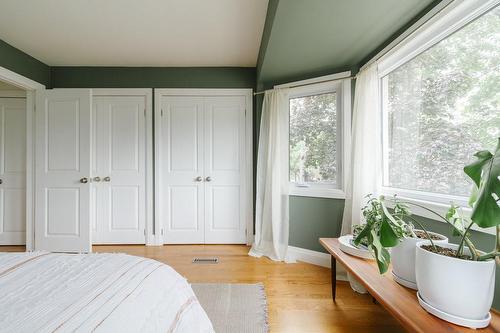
(457, 287)
(403, 260)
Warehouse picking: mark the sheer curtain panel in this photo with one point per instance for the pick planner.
(271, 211)
(366, 142)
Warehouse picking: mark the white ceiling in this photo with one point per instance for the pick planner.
(135, 32)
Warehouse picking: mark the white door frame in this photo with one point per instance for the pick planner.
(31, 88)
(147, 93)
(248, 93)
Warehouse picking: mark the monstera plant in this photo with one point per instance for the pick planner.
(485, 197)
(468, 299)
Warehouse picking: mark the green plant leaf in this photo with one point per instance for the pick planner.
(455, 219)
(382, 256)
(485, 172)
(388, 237)
(475, 169)
(364, 233)
(387, 214)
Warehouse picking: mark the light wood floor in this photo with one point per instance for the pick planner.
(298, 294)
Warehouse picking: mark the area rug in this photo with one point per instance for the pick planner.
(234, 307)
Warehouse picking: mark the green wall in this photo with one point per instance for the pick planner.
(312, 218)
(24, 64)
(153, 77)
(318, 36)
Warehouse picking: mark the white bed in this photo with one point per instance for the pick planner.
(47, 292)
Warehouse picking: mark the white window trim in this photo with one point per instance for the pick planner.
(449, 20)
(340, 83)
(452, 18)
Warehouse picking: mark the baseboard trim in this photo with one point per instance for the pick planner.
(295, 254)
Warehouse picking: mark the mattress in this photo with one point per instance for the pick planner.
(101, 292)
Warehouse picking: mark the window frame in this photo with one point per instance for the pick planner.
(342, 88)
(448, 21)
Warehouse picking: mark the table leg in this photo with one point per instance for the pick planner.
(334, 277)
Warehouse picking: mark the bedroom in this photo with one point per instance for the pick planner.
(223, 139)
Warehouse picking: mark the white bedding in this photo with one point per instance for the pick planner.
(47, 292)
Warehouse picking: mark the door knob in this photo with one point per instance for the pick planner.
(84, 180)
(97, 179)
(199, 179)
(208, 179)
(107, 179)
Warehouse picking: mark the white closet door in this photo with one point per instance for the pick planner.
(181, 169)
(63, 170)
(12, 171)
(224, 150)
(119, 169)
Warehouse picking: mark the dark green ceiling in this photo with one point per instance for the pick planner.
(315, 37)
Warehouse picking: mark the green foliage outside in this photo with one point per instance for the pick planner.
(444, 105)
(313, 138)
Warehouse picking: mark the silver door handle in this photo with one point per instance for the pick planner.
(208, 179)
(107, 179)
(97, 179)
(84, 180)
(199, 179)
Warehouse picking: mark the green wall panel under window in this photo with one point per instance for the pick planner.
(312, 218)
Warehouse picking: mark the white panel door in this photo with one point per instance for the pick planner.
(224, 158)
(63, 170)
(181, 169)
(12, 171)
(119, 170)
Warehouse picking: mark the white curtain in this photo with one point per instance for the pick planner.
(365, 144)
(271, 211)
(366, 141)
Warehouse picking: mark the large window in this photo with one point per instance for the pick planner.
(317, 137)
(439, 108)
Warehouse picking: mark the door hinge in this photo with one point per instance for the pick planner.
(144, 112)
(161, 112)
(144, 232)
(162, 231)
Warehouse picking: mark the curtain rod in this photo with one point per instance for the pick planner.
(308, 84)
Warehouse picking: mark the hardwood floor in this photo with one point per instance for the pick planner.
(298, 294)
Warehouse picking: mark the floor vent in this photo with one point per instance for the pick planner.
(205, 260)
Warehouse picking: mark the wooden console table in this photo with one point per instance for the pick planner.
(401, 302)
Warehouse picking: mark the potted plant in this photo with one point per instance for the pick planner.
(456, 281)
(385, 229)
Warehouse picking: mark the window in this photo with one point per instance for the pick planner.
(313, 139)
(439, 108)
(316, 152)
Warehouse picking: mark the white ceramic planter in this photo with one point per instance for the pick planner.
(403, 260)
(461, 288)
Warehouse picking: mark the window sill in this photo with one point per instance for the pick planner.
(439, 208)
(316, 192)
